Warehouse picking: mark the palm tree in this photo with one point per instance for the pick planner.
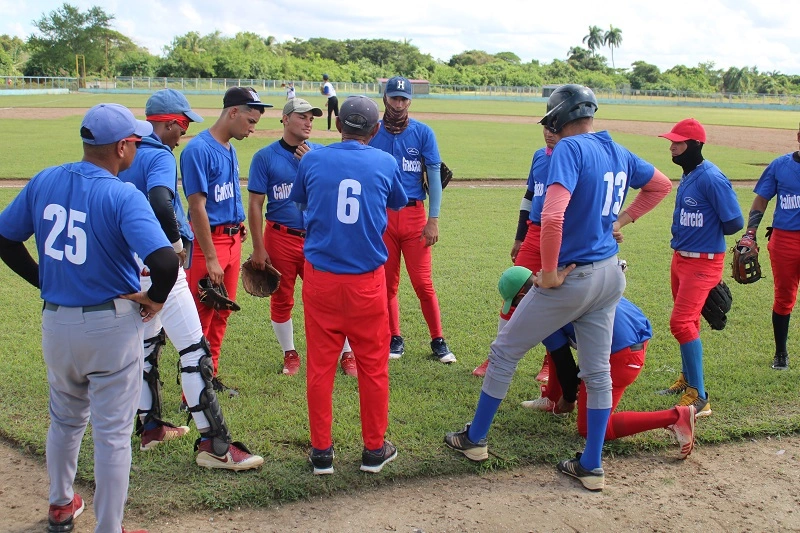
(612, 39)
(595, 38)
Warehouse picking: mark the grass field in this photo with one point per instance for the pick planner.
(427, 398)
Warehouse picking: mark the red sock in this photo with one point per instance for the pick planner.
(632, 422)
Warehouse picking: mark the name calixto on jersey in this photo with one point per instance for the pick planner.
(790, 201)
(281, 191)
(412, 166)
(223, 192)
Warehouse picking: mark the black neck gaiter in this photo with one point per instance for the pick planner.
(692, 157)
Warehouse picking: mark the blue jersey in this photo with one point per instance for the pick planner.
(209, 168)
(704, 201)
(782, 178)
(537, 178)
(346, 188)
(597, 172)
(630, 327)
(87, 225)
(272, 173)
(407, 147)
(154, 166)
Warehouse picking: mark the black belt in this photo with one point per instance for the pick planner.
(108, 306)
(226, 229)
(577, 264)
(413, 203)
(290, 231)
(637, 347)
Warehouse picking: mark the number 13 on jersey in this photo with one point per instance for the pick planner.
(615, 192)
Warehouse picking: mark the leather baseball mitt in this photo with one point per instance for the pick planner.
(718, 303)
(261, 283)
(215, 296)
(445, 172)
(745, 265)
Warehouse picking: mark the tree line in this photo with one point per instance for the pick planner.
(67, 32)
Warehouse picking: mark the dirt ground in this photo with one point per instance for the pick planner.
(748, 486)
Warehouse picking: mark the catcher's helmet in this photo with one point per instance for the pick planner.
(567, 103)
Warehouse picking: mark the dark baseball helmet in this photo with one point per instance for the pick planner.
(567, 103)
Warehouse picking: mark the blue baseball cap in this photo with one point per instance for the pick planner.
(512, 280)
(358, 114)
(109, 123)
(170, 102)
(398, 86)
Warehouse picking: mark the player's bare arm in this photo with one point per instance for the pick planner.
(515, 250)
(430, 233)
(255, 210)
(202, 233)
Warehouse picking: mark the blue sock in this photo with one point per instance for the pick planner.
(597, 420)
(692, 355)
(484, 414)
(151, 425)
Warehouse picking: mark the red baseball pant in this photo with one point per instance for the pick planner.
(784, 253)
(691, 279)
(286, 253)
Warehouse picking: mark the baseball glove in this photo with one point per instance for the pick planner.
(718, 303)
(261, 283)
(745, 265)
(215, 296)
(445, 172)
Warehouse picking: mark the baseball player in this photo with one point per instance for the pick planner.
(87, 226)
(210, 176)
(580, 280)
(706, 209)
(332, 103)
(781, 178)
(632, 331)
(154, 172)
(411, 233)
(345, 189)
(271, 177)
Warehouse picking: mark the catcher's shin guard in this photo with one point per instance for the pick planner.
(208, 404)
(152, 380)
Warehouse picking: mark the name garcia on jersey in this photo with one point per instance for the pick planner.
(790, 201)
(223, 192)
(691, 219)
(281, 191)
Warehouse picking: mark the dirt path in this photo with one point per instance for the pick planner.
(749, 486)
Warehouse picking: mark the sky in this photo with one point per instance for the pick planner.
(738, 33)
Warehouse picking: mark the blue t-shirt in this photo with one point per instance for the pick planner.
(597, 172)
(87, 225)
(630, 327)
(154, 166)
(272, 173)
(209, 168)
(537, 177)
(406, 147)
(345, 189)
(704, 201)
(782, 178)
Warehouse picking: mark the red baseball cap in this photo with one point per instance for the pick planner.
(685, 130)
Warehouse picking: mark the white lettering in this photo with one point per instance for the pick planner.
(223, 192)
(790, 201)
(282, 191)
(538, 188)
(412, 166)
(692, 220)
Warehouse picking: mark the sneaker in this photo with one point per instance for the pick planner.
(237, 458)
(164, 432)
(374, 461)
(544, 374)
(459, 441)
(683, 429)
(441, 351)
(60, 517)
(322, 460)
(481, 370)
(291, 362)
(701, 405)
(678, 387)
(781, 361)
(397, 347)
(540, 404)
(348, 363)
(219, 386)
(594, 480)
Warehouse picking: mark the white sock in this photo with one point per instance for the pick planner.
(346, 347)
(285, 333)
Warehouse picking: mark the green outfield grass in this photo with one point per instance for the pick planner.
(427, 398)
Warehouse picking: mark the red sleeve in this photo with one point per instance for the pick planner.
(650, 195)
(555, 203)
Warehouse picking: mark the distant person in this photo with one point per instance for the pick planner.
(290, 91)
(344, 294)
(333, 103)
(412, 232)
(88, 225)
